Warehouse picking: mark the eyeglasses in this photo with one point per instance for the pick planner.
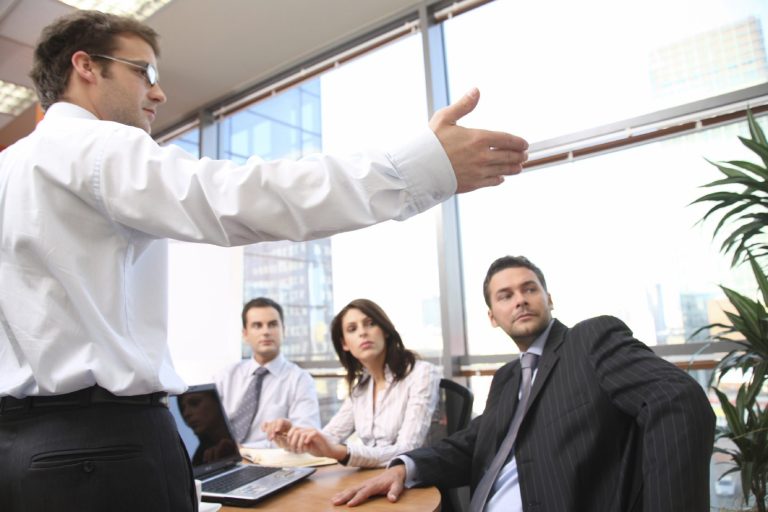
(148, 70)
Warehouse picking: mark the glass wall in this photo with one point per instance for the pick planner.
(189, 141)
(614, 233)
(352, 107)
(550, 68)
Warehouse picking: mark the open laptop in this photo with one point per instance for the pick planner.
(216, 460)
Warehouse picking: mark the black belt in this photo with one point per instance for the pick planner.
(83, 398)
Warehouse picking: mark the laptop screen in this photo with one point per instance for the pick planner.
(204, 428)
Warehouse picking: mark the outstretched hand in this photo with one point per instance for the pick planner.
(480, 158)
(390, 483)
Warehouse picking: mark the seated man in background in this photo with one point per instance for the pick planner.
(267, 386)
(587, 419)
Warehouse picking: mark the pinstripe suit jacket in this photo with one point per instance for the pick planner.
(610, 427)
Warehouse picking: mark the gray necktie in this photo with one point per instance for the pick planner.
(483, 490)
(246, 411)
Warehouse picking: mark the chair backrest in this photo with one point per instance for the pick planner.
(458, 404)
(454, 410)
(453, 414)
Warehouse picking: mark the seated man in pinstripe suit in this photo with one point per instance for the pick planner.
(608, 425)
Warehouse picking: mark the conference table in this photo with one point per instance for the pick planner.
(313, 494)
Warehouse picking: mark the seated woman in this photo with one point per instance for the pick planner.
(392, 398)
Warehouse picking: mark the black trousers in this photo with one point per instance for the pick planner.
(103, 457)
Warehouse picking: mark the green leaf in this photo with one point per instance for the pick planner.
(747, 181)
(746, 480)
(762, 172)
(741, 236)
(760, 277)
(730, 214)
(731, 169)
(760, 149)
(754, 129)
(731, 415)
(754, 390)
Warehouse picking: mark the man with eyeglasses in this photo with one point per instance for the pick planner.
(87, 202)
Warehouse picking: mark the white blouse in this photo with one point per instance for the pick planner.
(399, 422)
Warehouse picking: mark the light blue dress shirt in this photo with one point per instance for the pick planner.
(505, 494)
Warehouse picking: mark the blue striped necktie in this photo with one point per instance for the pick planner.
(242, 419)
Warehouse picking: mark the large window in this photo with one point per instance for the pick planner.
(614, 233)
(550, 68)
(352, 107)
(189, 141)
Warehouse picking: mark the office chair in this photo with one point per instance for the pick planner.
(453, 414)
(458, 402)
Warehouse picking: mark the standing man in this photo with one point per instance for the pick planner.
(279, 387)
(87, 202)
(605, 425)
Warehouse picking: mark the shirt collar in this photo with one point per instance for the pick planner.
(64, 109)
(537, 347)
(275, 366)
(362, 384)
(388, 375)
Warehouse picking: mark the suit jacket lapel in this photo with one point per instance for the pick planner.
(511, 389)
(508, 403)
(549, 358)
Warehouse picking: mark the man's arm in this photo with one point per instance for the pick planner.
(670, 408)
(165, 192)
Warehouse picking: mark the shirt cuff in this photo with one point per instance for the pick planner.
(423, 163)
(411, 472)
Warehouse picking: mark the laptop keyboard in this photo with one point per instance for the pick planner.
(235, 479)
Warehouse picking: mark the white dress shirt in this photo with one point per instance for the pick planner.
(85, 204)
(399, 421)
(286, 392)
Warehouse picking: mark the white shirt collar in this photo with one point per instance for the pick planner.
(275, 366)
(65, 109)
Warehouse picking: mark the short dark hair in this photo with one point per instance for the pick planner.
(510, 262)
(261, 302)
(399, 359)
(90, 31)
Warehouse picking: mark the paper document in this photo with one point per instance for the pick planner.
(280, 458)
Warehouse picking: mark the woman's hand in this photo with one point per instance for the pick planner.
(301, 440)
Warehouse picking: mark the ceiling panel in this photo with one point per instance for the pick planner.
(211, 49)
(15, 64)
(27, 18)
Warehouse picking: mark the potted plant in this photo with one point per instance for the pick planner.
(742, 198)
